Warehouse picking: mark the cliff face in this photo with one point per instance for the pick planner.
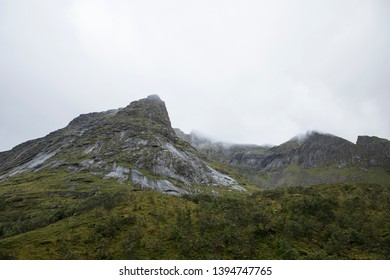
(82, 192)
(377, 150)
(133, 144)
(313, 159)
(137, 145)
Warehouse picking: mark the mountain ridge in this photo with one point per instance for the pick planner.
(301, 158)
(137, 144)
(123, 184)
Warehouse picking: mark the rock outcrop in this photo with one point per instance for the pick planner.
(133, 144)
(312, 159)
(137, 145)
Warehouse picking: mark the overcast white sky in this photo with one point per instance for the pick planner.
(243, 71)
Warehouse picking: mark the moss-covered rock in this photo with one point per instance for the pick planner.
(138, 137)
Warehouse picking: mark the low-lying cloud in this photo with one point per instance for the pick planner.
(239, 71)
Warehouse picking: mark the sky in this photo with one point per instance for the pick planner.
(238, 71)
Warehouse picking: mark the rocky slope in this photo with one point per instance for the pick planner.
(137, 145)
(82, 192)
(312, 159)
(133, 144)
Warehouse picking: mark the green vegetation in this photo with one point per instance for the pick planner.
(57, 215)
(294, 175)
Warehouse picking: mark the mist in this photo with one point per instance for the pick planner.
(244, 71)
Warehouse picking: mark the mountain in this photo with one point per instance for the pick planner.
(135, 144)
(123, 184)
(311, 159)
(138, 145)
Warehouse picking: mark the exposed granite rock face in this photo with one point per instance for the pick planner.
(118, 172)
(224, 152)
(163, 186)
(110, 144)
(313, 159)
(316, 150)
(326, 150)
(137, 145)
(377, 149)
(151, 108)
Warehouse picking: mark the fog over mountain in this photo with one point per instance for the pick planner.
(137, 145)
(124, 184)
(238, 71)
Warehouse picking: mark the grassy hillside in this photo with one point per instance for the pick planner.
(293, 175)
(56, 215)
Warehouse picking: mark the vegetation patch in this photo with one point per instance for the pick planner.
(90, 218)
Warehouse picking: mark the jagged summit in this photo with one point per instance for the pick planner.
(310, 158)
(154, 97)
(135, 144)
(310, 135)
(151, 108)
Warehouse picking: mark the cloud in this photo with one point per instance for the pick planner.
(239, 71)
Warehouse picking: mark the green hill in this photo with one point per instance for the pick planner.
(57, 216)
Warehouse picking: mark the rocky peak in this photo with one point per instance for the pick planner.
(151, 108)
(135, 144)
(374, 145)
(325, 150)
(377, 150)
